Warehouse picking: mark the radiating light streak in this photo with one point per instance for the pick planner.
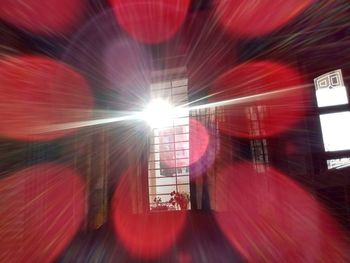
(178, 111)
(81, 124)
(242, 99)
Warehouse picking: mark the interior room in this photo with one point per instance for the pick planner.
(174, 131)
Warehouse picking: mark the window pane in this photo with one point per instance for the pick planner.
(330, 89)
(182, 171)
(168, 172)
(182, 137)
(182, 154)
(179, 99)
(180, 90)
(181, 129)
(164, 198)
(162, 93)
(182, 162)
(184, 188)
(166, 131)
(166, 139)
(182, 145)
(179, 82)
(153, 165)
(154, 173)
(162, 181)
(156, 140)
(183, 180)
(154, 157)
(167, 155)
(338, 163)
(155, 148)
(160, 85)
(336, 131)
(168, 164)
(162, 189)
(166, 147)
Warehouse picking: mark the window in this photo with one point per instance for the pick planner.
(332, 100)
(259, 154)
(338, 163)
(336, 131)
(168, 165)
(258, 146)
(330, 89)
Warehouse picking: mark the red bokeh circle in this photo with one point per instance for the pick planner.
(269, 98)
(42, 208)
(187, 148)
(199, 140)
(151, 21)
(128, 71)
(268, 217)
(37, 93)
(198, 37)
(43, 17)
(144, 234)
(249, 19)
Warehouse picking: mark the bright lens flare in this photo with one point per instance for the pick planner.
(159, 113)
